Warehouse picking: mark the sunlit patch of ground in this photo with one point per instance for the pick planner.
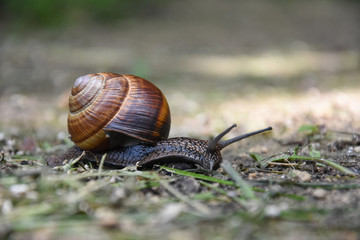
(283, 65)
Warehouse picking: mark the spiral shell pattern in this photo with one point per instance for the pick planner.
(108, 110)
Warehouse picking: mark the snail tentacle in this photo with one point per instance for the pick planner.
(226, 143)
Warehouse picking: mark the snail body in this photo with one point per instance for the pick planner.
(181, 152)
(99, 129)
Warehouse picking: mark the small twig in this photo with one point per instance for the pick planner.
(283, 164)
(328, 186)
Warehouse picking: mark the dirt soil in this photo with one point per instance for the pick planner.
(293, 66)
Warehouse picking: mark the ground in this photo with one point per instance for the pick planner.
(294, 67)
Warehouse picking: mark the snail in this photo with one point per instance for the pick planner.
(128, 118)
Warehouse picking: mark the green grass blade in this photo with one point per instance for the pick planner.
(260, 159)
(198, 176)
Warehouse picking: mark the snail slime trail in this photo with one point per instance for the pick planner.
(107, 115)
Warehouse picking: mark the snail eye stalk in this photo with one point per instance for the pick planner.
(222, 144)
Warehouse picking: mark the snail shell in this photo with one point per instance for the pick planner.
(108, 110)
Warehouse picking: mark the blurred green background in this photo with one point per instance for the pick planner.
(252, 62)
(50, 13)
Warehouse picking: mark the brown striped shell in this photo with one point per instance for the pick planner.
(108, 110)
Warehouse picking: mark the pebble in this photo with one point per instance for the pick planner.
(319, 193)
(18, 189)
(253, 176)
(107, 218)
(62, 136)
(10, 142)
(7, 207)
(117, 195)
(357, 149)
(300, 175)
(169, 212)
(273, 210)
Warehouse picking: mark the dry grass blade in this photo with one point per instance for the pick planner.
(285, 160)
(101, 165)
(236, 199)
(324, 161)
(202, 209)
